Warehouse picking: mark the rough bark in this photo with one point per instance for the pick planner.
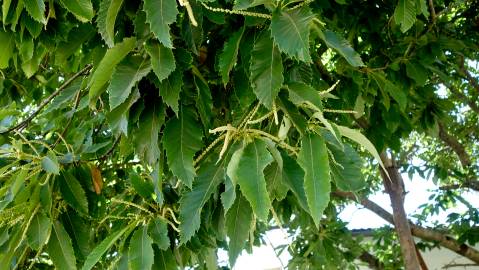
(395, 188)
(455, 145)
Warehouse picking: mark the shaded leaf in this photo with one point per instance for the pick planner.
(38, 231)
(266, 70)
(293, 178)
(50, 164)
(106, 66)
(290, 31)
(82, 9)
(164, 260)
(7, 43)
(405, 14)
(160, 14)
(140, 253)
(246, 169)
(130, 71)
(158, 231)
(313, 158)
(182, 139)
(239, 222)
(106, 20)
(162, 59)
(301, 93)
(147, 134)
(36, 9)
(192, 202)
(60, 248)
(227, 58)
(103, 247)
(73, 193)
(170, 89)
(341, 45)
(118, 117)
(142, 186)
(204, 102)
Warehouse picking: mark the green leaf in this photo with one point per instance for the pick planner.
(341, 45)
(192, 202)
(274, 178)
(142, 186)
(229, 195)
(147, 134)
(36, 9)
(106, 67)
(266, 70)
(140, 253)
(239, 223)
(162, 59)
(417, 72)
(5, 8)
(359, 138)
(130, 71)
(182, 139)
(106, 20)
(50, 164)
(290, 31)
(301, 93)
(227, 58)
(7, 43)
(118, 117)
(160, 14)
(293, 114)
(103, 247)
(38, 231)
(164, 260)
(347, 173)
(313, 158)
(73, 193)
(158, 231)
(293, 178)
(60, 248)
(246, 169)
(170, 89)
(244, 4)
(82, 9)
(204, 102)
(405, 14)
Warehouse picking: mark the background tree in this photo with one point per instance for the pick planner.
(150, 134)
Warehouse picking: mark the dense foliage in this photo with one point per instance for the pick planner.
(150, 134)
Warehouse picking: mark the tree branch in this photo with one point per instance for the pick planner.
(371, 260)
(471, 184)
(45, 102)
(424, 233)
(455, 145)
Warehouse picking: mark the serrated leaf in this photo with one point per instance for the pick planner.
(274, 179)
(144, 187)
(7, 43)
(106, 20)
(36, 9)
(204, 102)
(118, 118)
(192, 202)
(38, 231)
(342, 46)
(60, 248)
(50, 164)
(103, 247)
(348, 176)
(82, 9)
(164, 260)
(239, 222)
(229, 195)
(130, 71)
(5, 8)
(290, 31)
(170, 89)
(405, 14)
(266, 70)
(227, 58)
(356, 136)
(160, 14)
(313, 158)
(140, 253)
(246, 169)
(73, 193)
(147, 134)
(182, 139)
(244, 4)
(106, 66)
(162, 59)
(158, 231)
(301, 93)
(293, 178)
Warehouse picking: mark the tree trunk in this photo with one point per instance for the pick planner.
(395, 188)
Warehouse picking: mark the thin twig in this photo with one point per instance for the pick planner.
(45, 102)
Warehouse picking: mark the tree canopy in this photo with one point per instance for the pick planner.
(150, 134)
